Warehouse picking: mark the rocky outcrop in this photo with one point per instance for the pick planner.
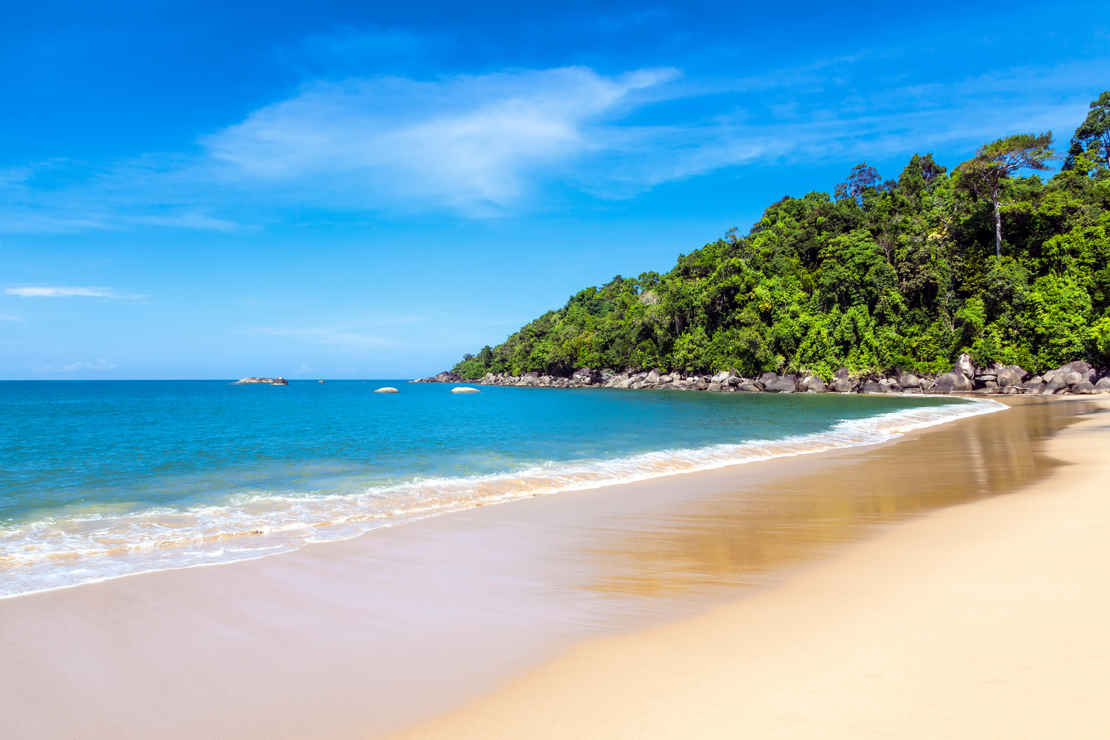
(843, 382)
(964, 377)
(952, 382)
(465, 390)
(964, 367)
(779, 384)
(813, 384)
(387, 389)
(251, 380)
(1011, 376)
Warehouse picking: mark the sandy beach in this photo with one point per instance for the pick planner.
(982, 620)
(890, 590)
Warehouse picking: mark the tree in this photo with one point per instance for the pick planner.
(1093, 135)
(983, 174)
(862, 177)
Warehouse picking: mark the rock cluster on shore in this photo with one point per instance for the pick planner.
(1078, 378)
(268, 381)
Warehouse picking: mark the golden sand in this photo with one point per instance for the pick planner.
(986, 620)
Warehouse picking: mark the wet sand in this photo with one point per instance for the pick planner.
(372, 635)
(986, 620)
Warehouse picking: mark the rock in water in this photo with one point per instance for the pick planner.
(387, 389)
(465, 390)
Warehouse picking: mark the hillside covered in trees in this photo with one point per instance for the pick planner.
(987, 258)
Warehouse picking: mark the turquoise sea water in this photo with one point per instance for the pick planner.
(100, 479)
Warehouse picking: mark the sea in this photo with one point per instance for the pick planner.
(103, 479)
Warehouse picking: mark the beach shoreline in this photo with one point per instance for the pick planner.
(985, 619)
(375, 634)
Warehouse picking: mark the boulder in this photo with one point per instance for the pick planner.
(843, 381)
(953, 382)
(701, 384)
(652, 378)
(448, 377)
(909, 381)
(870, 386)
(784, 384)
(766, 378)
(1011, 375)
(387, 389)
(748, 386)
(1103, 385)
(1083, 389)
(964, 366)
(890, 385)
(280, 381)
(583, 372)
(465, 390)
(813, 384)
(1055, 384)
(1074, 378)
(715, 387)
(1084, 369)
(1034, 385)
(734, 380)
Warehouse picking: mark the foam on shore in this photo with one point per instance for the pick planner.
(59, 553)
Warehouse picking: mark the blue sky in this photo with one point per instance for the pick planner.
(371, 189)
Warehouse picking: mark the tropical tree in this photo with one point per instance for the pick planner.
(862, 177)
(1093, 135)
(983, 174)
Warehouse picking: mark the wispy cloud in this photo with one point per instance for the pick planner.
(466, 142)
(491, 144)
(67, 292)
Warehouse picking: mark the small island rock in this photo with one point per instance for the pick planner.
(387, 389)
(465, 390)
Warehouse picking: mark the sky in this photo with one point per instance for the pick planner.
(369, 190)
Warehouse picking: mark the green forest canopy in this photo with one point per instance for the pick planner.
(880, 275)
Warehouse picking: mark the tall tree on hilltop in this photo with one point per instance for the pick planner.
(983, 174)
(862, 177)
(1093, 135)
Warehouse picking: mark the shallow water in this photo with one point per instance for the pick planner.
(100, 479)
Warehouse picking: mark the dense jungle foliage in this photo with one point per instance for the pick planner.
(901, 273)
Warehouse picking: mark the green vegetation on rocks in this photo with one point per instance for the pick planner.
(882, 275)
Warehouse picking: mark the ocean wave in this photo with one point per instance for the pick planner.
(59, 553)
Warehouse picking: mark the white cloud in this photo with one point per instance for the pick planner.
(465, 141)
(67, 292)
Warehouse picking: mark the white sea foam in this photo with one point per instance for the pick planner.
(53, 554)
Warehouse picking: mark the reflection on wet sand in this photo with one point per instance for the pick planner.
(747, 534)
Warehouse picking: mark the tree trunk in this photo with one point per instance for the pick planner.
(997, 230)
(997, 221)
